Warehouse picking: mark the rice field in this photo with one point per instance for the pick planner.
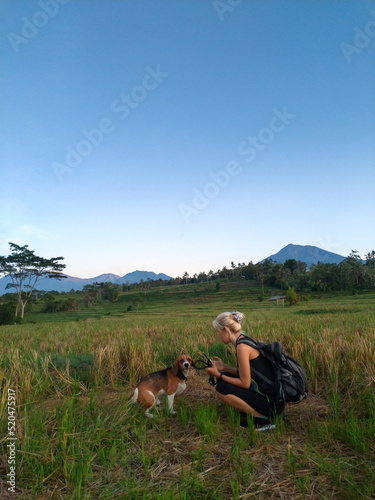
(78, 437)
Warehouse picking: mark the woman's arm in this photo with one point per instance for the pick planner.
(222, 367)
(243, 356)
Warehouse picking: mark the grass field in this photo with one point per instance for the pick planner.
(78, 437)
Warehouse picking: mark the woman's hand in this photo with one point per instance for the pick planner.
(213, 370)
(219, 364)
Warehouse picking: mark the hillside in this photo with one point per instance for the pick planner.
(163, 301)
(176, 301)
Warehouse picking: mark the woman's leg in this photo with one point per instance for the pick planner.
(239, 404)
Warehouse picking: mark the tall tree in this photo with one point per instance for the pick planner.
(354, 262)
(233, 265)
(370, 259)
(25, 269)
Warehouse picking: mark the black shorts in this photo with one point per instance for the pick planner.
(261, 403)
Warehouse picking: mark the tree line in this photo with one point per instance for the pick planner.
(25, 269)
(352, 274)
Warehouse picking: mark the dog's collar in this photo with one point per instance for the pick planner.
(181, 376)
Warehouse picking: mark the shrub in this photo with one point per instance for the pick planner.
(7, 313)
(291, 296)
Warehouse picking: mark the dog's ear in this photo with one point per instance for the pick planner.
(175, 367)
(191, 360)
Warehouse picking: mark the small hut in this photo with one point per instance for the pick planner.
(277, 299)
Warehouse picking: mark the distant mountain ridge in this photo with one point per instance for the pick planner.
(306, 253)
(71, 282)
(138, 276)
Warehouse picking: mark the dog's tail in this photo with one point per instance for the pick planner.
(134, 398)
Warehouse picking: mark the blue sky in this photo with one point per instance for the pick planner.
(182, 135)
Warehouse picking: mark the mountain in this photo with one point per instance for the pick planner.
(64, 285)
(104, 278)
(309, 254)
(138, 276)
(70, 282)
(306, 253)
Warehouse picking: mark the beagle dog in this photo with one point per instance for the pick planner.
(171, 381)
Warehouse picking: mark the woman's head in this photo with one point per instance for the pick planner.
(230, 321)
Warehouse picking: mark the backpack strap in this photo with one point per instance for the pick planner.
(244, 339)
(263, 377)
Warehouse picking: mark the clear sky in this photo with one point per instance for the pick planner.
(181, 135)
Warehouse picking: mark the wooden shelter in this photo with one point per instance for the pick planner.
(277, 299)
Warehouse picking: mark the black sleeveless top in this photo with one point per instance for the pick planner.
(262, 365)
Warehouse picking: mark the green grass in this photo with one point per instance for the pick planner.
(200, 298)
(78, 436)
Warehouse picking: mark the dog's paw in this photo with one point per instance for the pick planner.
(150, 415)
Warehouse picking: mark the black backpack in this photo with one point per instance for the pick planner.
(290, 381)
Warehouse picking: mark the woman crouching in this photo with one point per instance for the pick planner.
(240, 387)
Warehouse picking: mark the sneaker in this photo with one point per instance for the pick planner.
(260, 424)
(243, 421)
(265, 427)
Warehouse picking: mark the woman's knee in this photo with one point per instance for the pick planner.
(221, 396)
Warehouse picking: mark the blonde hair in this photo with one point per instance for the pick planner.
(231, 320)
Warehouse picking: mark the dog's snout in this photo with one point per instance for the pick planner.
(186, 364)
